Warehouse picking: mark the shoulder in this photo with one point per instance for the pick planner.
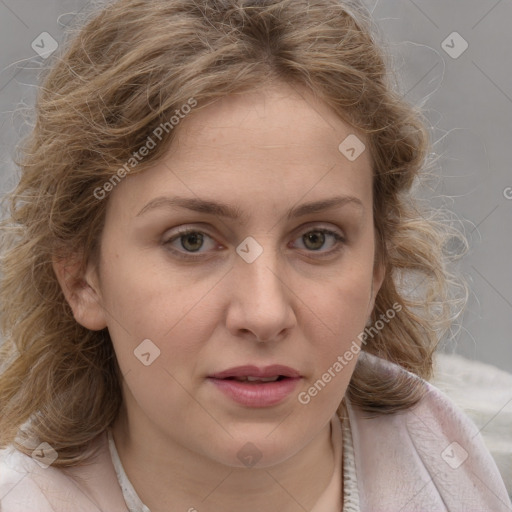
(430, 456)
(29, 484)
(19, 491)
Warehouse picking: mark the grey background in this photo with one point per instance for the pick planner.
(468, 101)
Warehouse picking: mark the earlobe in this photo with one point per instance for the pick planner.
(81, 290)
(379, 273)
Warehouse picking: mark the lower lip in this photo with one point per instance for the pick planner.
(257, 394)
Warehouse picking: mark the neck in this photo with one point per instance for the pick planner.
(171, 477)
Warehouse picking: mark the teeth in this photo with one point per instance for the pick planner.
(256, 379)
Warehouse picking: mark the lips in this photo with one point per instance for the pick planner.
(257, 387)
(251, 373)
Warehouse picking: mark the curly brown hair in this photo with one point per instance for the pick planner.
(123, 73)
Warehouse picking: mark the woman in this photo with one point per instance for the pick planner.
(206, 274)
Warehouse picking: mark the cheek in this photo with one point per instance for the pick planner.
(335, 316)
(139, 295)
(146, 302)
(343, 301)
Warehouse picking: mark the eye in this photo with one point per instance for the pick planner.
(315, 239)
(188, 240)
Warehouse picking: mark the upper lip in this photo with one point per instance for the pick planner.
(254, 371)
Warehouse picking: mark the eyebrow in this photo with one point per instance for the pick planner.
(234, 212)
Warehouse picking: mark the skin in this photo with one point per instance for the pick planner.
(178, 437)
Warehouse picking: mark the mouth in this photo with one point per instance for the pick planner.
(257, 387)
(251, 379)
(253, 373)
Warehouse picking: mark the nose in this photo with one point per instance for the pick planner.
(261, 305)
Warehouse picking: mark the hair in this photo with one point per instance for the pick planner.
(120, 76)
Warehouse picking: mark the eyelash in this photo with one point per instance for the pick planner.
(189, 256)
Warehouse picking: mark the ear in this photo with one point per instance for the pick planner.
(81, 290)
(379, 272)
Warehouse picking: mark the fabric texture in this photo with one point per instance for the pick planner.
(430, 457)
(484, 393)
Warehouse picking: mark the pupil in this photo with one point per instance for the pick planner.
(196, 238)
(314, 236)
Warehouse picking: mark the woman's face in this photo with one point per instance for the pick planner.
(267, 286)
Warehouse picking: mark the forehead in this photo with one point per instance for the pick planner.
(266, 146)
(275, 120)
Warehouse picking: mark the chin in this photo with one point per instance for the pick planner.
(258, 450)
